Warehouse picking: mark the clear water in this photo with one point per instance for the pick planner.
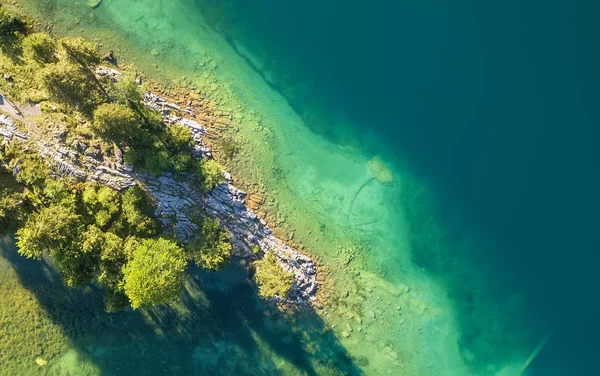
(484, 113)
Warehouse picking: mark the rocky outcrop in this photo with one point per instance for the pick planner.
(177, 201)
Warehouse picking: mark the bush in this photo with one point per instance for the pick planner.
(271, 279)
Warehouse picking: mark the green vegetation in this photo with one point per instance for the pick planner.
(211, 249)
(155, 274)
(94, 234)
(271, 278)
(97, 235)
(10, 25)
(11, 211)
(40, 47)
(61, 75)
(211, 173)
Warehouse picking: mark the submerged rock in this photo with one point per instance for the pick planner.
(94, 3)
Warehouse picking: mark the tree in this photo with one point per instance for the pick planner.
(101, 203)
(181, 143)
(11, 211)
(80, 51)
(59, 192)
(271, 279)
(51, 229)
(137, 215)
(40, 48)
(211, 174)
(155, 274)
(70, 84)
(9, 24)
(117, 123)
(32, 170)
(212, 248)
(126, 91)
(112, 259)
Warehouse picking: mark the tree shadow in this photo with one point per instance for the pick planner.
(219, 327)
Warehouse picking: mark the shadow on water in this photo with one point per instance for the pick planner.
(219, 329)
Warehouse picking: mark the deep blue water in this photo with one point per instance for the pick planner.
(497, 106)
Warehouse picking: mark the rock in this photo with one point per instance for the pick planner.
(346, 334)
(8, 77)
(110, 57)
(390, 352)
(94, 3)
(60, 135)
(280, 233)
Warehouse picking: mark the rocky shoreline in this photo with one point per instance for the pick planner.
(176, 200)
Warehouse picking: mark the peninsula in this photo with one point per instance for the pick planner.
(106, 168)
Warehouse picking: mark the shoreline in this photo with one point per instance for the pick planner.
(176, 199)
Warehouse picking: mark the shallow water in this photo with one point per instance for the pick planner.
(466, 104)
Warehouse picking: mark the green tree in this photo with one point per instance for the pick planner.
(181, 143)
(137, 215)
(211, 249)
(70, 84)
(32, 170)
(126, 91)
(40, 48)
(12, 213)
(9, 24)
(211, 174)
(271, 279)
(155, 274)
(58, 192)
(113, 257)
(117, 123)
(80, 51)
(101, 203)
(50, 230)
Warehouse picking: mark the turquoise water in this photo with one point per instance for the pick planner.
(484, 115)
